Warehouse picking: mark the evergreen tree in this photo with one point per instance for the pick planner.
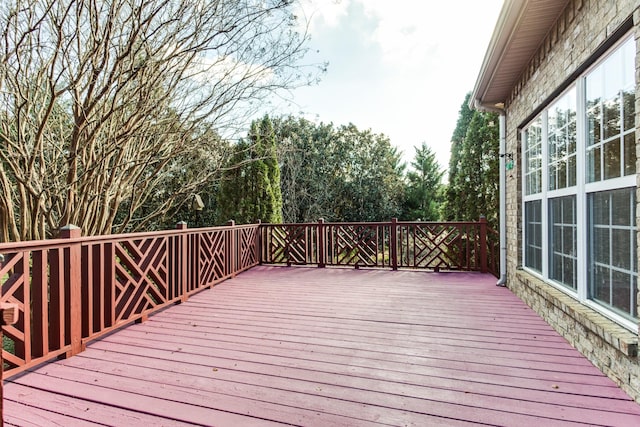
(424, 188)
(339, 174)
(474, 168)
(251, 191)
(452, 201)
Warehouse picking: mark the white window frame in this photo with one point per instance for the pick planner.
(581, 191)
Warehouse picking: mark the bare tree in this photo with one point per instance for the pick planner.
(102, 102)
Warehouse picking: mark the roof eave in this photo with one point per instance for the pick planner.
(507, 22)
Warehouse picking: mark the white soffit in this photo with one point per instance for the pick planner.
(521, 28)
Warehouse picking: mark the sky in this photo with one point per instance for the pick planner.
(398, 67)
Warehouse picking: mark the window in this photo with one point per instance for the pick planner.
(562, 238)
(612, 250)
(533, 158)
(579, 155)
(533, 243)
(610, 103)
(533, 188)
(561, 125)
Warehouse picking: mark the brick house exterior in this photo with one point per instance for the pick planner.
(564, 75)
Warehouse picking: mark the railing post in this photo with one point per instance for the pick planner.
(8, 316)
(182, 253)
(321, 244)
(258, 243)
(74, 267)
(483, 244)
(231, 248)
(394, 243)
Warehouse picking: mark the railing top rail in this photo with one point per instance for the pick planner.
(56, 243)
(372, 223)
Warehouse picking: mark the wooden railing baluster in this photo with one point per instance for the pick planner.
(72, 264)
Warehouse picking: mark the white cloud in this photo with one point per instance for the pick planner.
(400, 67)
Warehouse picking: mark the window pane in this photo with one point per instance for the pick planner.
(612, 249)
(594, 87)
(571, 138)
(593, 165)
(634, 302)
(562, 174)
(553, 180)
(621, 291)
(562, 238)
(620, 255)
(561, 134)
(612, 159)
(601, 245)
(629, 108)
(533, 236)
(613, 73)
(611, 118)
(630, 153)
(600, 285)
(533, 157)
(571, 171)
(620, 208)
(594, 119)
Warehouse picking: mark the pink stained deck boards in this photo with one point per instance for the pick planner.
(328, 347)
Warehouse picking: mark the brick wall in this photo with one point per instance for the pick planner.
(583, 26)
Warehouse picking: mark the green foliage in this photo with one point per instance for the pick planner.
(339, 174)
(250, 188)
(424, 189)
(474, 168)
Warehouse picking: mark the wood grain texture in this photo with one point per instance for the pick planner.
(328, 347)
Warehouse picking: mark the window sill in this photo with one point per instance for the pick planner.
(585, 317)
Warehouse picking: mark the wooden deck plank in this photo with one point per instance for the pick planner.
(436, 370)
(147, 402)
(347, 335)
(307, 407)
(67, 411)
(307, 346)
(427, 388)
(224, 315)
(410, 383)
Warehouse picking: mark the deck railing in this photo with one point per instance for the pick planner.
(394, 244)
(74, 289)
(71, 290)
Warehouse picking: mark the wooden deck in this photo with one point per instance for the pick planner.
(328, 347)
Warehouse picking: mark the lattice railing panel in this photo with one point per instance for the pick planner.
(248, 253)
(290, 243)
(354, 245)
(212, 258)
(438, 246)
(296, 248)
(275, 246)
(141, 274)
